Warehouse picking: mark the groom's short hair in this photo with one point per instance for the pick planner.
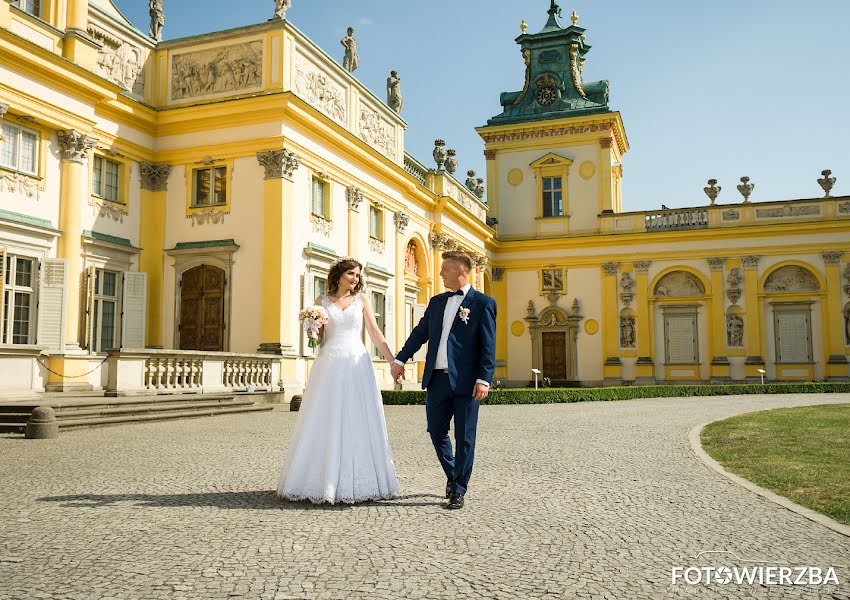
(461, 257)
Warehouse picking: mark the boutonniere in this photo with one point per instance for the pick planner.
(463, 313)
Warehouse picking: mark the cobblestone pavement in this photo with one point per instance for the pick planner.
(592, 500)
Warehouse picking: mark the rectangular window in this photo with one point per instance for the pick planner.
(105, 317)
(320, 286)
(793, 336)
(680, 333)
(376, 225)
(19, 148)
(31, 6)
(18, 300)
(210, 186)
(379, 306)
(319, 200)
(105, 179)
(553, 197)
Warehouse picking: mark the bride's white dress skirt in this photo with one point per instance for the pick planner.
(339, 450)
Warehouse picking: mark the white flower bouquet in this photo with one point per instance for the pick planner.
(312, 319)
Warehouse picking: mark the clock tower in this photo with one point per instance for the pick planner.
(554, 152)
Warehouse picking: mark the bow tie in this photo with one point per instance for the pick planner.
(458, 293)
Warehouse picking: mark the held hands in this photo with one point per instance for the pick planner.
(480, 391)
(397, 371)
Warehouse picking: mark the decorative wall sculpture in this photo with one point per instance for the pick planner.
(734, 331)
(119, 61)
(319, 90)
(377, 132)
(787, 211)
(791, 278)
(627, 332)
(217, 70)
(679, 284)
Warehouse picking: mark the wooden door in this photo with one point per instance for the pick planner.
(202, 309)
(555, 354)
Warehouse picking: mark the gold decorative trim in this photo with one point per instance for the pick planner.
(574, 69)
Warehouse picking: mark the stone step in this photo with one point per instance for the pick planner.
(159, 416)
(79, 413)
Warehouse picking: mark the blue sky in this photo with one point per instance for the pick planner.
(706, 89)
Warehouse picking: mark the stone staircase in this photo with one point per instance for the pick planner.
(90, 411)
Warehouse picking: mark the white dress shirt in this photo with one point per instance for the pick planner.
(452, 307)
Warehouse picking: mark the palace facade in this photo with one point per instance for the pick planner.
(167, 207)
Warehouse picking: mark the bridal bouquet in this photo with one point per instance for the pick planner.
(312, 318)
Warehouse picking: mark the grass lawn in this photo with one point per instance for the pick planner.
(800, 453)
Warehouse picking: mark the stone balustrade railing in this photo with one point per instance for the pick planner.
(415, 168)
(679, 218)
(138, 372)
(727, 215)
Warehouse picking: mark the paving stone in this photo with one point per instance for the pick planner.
(588, 500)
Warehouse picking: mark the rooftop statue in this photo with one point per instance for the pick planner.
(351, 60)
(157, 19)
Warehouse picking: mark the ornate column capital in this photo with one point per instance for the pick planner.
(498, 273)
(490, 155)
(606, 142)
(154, 177)
(353, 196)
(715, 263)
(3, 109)
(642, 266)
(401, 221)
(278, 163)
(74, 145)
(832, 257)
(750, 263)
(438, 241)
(610, 268)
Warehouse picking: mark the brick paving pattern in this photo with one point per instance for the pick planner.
(593, 500)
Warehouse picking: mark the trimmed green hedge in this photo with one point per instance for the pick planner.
(559, 395)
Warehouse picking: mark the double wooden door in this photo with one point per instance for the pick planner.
(555, 354)
(202, 309)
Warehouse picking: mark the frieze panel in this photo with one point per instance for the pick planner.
(377, 132)
(119, 61)
(321, 91)
(780, 212)
(679, 284)
(26, 186)
(791, 278)
(237, 67)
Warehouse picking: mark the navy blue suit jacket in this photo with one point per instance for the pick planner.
(471, 346)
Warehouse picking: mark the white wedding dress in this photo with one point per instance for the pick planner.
(339, 450)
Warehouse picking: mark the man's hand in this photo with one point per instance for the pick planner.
(480, 391)
(397, 371)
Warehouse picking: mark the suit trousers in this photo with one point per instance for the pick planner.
(441, 404)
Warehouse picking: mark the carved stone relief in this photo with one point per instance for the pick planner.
(377, 132)
(731, 215)
(679, 284)
(844, 208)
(734, 281)
(26, 186)
(119, 61)
(410, 264)
(207, 216)
(104, 209)
(791, 278)
(787, 211)
(627, 332)
(353, 196)
(321, 225)
(734, 331)
(319, 90)
(217, 70)
(376, 245)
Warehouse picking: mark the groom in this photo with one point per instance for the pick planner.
(460, 328)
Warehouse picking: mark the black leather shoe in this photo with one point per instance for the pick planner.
(448, 489)
(455, 501)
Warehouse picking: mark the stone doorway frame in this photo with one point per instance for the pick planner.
(555, 319)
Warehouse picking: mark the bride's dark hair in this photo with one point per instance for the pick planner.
(340, 268)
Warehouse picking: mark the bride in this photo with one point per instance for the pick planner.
(339, 450)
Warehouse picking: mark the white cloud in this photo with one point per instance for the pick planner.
(366, 21)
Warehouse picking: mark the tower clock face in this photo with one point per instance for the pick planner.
(546, 95)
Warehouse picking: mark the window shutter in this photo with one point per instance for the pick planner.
(681, 339)
(88, 321)
(2, 287)
(52, 301)
(792, 330)
(418, 313)
(133, 310)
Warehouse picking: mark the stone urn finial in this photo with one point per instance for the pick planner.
(451, 160)
(712, 190)
(826, 182)
(479, 187)
(440, 153)
(746, 188)
(470, 180)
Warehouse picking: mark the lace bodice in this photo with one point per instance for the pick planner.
(342, 332)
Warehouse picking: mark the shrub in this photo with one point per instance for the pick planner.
(561, 395)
